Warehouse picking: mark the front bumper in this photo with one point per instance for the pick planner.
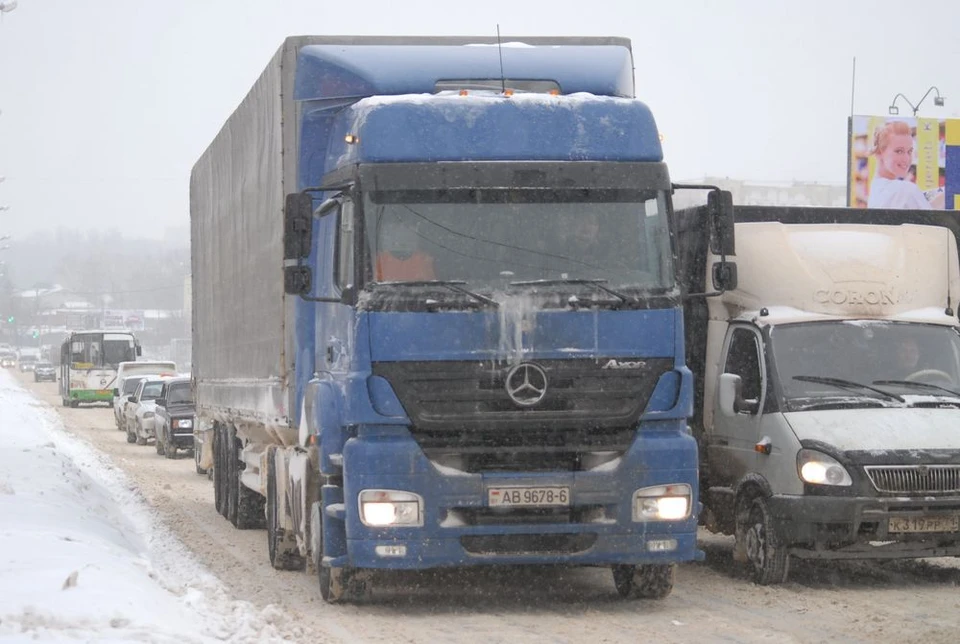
(460, 529)
(830, 527)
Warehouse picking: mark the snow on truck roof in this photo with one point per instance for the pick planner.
(353, 67)
(805, 272)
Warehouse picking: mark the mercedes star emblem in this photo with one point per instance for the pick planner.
(526, 384)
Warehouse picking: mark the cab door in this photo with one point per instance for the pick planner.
(732, 446)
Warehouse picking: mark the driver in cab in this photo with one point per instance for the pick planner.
(400, 258)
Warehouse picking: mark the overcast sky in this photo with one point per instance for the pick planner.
(106, 104)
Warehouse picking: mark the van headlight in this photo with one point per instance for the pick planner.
(818, 468)
(662, 503)
(390, 508)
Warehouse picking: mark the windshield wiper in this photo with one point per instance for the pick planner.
(922, 385)
(454, 285)
(847, 384)
(596, 283)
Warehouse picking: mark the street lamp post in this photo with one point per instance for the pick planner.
(937, 100)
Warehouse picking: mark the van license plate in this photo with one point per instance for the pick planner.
(528, 496)
(930, 523)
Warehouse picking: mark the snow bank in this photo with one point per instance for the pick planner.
(81, 555)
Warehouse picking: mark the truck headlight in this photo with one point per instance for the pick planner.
(818, 468)
(183, 423)
(390, 508)
(662, 503)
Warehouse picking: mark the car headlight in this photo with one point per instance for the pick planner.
(662, 503)
(183, 423)
(390, 508)
(818, 468)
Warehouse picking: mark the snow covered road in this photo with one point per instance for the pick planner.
(83, 557)
(146, 542)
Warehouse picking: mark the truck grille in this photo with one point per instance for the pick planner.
(470, 398)
(914, 479)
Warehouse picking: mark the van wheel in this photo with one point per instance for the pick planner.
(653, 581)
(767, 554)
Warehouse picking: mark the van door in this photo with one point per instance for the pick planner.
(731, 450)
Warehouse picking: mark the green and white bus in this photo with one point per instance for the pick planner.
(88, 364)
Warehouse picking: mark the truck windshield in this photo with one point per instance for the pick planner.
(895, 357)
(490, 238)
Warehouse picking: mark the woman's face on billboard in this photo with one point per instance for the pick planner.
(898, 155)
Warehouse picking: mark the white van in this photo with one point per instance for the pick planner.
(137, 368)
(828, 383)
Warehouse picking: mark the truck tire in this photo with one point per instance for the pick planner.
(231, 482)
(158, 445)
(768, 556)
(219, 469)
(648, 581)
(284, 552)
(340, 585)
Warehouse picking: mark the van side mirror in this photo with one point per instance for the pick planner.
(297, 225)
(725, 276)
(720, 205)
(730, 396)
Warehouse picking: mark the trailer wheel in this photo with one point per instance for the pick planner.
(284, 552)
(650, 581)
(219, 492)
(231, 481)
(767, 554)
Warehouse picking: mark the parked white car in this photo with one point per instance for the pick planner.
(140, 410)
(121, 399)
(142, 368)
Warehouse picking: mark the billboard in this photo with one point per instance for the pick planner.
(903, 162)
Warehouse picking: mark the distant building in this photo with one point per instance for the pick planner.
(768, 193)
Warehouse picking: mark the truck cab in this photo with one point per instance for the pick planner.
(829, 386)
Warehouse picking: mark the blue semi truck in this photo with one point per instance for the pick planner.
(435, 314)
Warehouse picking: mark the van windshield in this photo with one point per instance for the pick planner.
(900, 358)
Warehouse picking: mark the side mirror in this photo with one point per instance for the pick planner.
(139, 350)
(720, 204)
(724, 276)
(730, 396)
(298, 225)
(116, 393)
(130, 398)
(160, 402)
(297, 280)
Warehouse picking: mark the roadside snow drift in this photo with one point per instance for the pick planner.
(81, 556)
